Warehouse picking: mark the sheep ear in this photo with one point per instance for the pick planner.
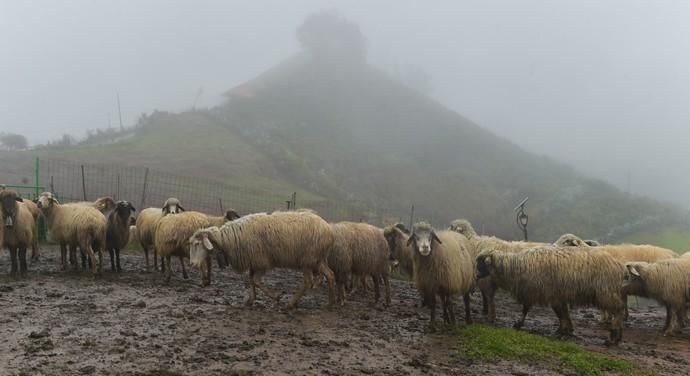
(435, 237)
(132, 208)
(411, 239)
(207, 243)
(180, 207)
(633, 271)
(53, 199)
(19, 199)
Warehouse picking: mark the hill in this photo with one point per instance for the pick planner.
(342, 132)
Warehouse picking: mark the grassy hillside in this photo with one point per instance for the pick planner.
(350, 132)
(677, 239)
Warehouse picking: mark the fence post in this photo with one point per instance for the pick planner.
(38, 176)
(411, 216)
(220, 203)
(52, 186)
(294, 200)
(83, 182)
(117, 192)
(143, 192)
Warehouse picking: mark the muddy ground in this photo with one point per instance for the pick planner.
(54, 322)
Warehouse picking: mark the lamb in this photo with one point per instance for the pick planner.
(359, 249)
(230, 215)
(477, 245)
(104, 205)
(667, 282)
(172, 234)
(117, 232)
(559, 277)
(75, 225)
(146, 226)
(442, 266)
(258, 243)
(18, 229)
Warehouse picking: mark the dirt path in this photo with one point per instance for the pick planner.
(54, 322)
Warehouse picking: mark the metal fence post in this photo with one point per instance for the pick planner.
(38, 176)
(143, 192)
(83, 182)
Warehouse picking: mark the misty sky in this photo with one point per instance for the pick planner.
(603, 85)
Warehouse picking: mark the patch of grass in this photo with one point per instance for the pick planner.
(671, 238)
(488, 343)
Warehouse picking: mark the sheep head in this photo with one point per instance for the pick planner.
(422, 238)
(485, 262)
(394, 237)
(634, 281)
(8, 205)
(104, 204)
(124, 210)
(570, 240)
(201, 245)
(463, 227)
(231, 215)
(46, 201)
(592, 243)
(172, 206)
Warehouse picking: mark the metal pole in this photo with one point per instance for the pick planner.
(52, 186)
(119, 111)
(117, 194)
(38, 176)
(294, 199)
(83, 182)
(143, 192)
(411, 216)
(220, 203)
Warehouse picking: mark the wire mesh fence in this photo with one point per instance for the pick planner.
(75, 181)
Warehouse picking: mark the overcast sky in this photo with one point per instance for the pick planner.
(603, 85)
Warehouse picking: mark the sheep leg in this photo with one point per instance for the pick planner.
(221, 260)
(518, 324)
(100, 261)
(163, 264)
(377, 288)
(34, 249)
(616, 327)
(488, 290)
(184, 270)
(117, 259)
(449, 307)
(468, 312)
(22, 260)
(89, 251)
(306, 275)
(341, 281)
(328, 273)
(13, 257)
(112, 259)
(387, 287)
(252, 290)
(667, 323)
(673, 322)
(565, 325)
(431, 302)
(168, 270)
(146, 255)
(444, 307)
(257, 282)
(63, 256)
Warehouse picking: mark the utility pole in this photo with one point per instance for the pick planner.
(119, 111)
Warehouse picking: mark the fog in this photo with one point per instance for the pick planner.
(604, 86)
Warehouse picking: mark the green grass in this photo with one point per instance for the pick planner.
(672, 238)
(488, 343)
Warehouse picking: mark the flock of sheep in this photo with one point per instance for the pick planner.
(446, 263)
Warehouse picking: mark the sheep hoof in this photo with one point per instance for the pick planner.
(249, 302)
(517, 325)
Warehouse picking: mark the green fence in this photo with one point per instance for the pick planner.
(31, 192)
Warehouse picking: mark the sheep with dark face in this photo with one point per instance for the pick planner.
(258, 243)
(18, 229)
(117, 233)
(442, 266)
(401, 255)
(560, 278)
(76, 226)
(146, 227)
